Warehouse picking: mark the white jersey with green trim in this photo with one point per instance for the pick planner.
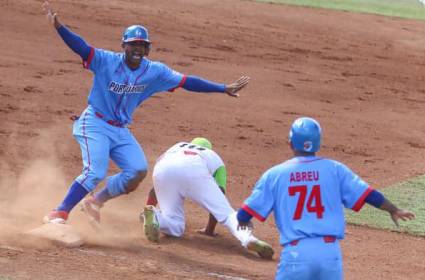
(188, 151)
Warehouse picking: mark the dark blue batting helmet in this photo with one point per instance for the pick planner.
(135, 33)
(305, 134)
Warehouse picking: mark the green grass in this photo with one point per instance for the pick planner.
(407, 195)
(397, 8)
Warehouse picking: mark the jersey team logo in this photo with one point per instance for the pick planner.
(308, 146)
(124, 88)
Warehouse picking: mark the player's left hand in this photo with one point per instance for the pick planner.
(206, 232)
(233, 88)
(403, 215)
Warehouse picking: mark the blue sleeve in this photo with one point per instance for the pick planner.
(198, 84)
(75, 42)
(353, 189)
(375, 198)
(167, 78)
(261, 201)
(100, 59)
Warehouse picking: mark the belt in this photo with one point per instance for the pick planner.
(111, 122)
(326, 239)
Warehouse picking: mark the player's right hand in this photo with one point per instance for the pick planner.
(403, 215)
(50, 14)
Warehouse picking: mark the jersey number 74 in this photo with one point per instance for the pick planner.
(314, 201)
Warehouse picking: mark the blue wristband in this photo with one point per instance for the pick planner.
(243, 216)
(375, 198)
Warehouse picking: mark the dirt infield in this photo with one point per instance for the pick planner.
(361, 76)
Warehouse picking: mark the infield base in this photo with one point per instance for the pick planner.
(60, 234)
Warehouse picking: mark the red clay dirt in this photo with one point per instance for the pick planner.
(362, 76)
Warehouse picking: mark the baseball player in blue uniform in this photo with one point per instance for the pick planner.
(307, 194)
(122, 81)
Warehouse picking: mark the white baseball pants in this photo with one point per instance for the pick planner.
(176, 178)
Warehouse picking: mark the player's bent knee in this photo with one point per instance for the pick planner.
(179, 231)
(135, 178)
(140, 175)
(131, 187)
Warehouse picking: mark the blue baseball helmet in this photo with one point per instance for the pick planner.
(305, 134)
(135, 33)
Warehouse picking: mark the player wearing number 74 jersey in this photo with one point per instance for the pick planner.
(307, 194)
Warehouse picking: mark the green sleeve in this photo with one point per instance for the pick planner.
(220, 176)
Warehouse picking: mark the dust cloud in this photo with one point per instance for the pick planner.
(40, 185)
(28, 194)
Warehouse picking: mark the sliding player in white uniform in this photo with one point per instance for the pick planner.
(193, 170)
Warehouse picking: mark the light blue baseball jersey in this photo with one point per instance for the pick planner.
(117, 90)
(307, 195)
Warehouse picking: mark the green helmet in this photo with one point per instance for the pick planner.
(203, 142)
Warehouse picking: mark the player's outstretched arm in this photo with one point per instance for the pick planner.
(378, 200)
(72, 40)
(51, 15)
(233, 88)
(396, 213)
(197, 84)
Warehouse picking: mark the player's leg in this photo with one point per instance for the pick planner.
(331, 270)
(202, 189)
(331, 264)
(311, 258)
(205, 192)
(130, 158)
(95, 155)
(95, 146)
(295, 264)
(293, 271)
(168, 186)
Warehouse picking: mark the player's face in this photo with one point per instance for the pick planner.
(135, 51)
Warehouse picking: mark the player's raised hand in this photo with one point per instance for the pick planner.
(51, 15)
(233, 88)
(401, 214)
